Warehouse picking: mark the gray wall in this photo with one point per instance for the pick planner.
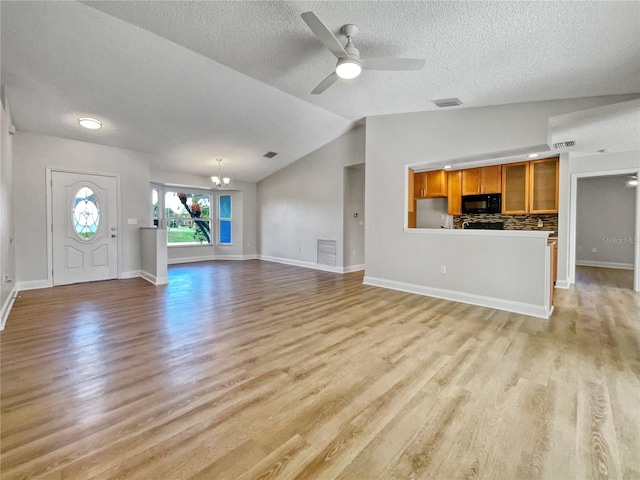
(7, 250)
(605, 220)
(354, 187)
(33, 153)
(395, 141)
(304, 202)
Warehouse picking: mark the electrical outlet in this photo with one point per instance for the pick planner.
(594, 250)
(540, 224)
(443, 269)
(579, 248)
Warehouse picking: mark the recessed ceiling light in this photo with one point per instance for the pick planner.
(90, 123)
(532, 155)
(447, 167)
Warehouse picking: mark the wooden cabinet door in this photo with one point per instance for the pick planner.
(436, 184)
(410, 191)
(471, 181)
(515, 188)
(491, 179)
(544, 185)
(420, 185)
(454, 181)
(411, 201)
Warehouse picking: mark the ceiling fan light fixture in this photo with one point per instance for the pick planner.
(348, 68)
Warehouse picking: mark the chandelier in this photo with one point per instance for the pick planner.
(220, 180)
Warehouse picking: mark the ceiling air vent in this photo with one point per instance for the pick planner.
(568, 144)
(447, 102)
(269, 155)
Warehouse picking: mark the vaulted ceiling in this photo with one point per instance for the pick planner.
(192, 81)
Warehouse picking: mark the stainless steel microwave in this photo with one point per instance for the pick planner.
(491, 203)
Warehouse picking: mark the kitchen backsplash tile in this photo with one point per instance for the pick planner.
(512, 222)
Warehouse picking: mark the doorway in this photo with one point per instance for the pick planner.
(84, 227)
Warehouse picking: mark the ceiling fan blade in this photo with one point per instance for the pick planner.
(326, 83)
(324, 34)
(390, 63)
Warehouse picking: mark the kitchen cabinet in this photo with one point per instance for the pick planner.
(430, 184)
(454, 204)
(411, 201)
(482, 180)
(543, 189)
(515, 188)
(530, 187)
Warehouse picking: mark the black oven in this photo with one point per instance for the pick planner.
(491, 203)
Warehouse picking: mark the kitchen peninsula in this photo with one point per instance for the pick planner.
(492, 244)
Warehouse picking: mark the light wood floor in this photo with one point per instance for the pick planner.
(257, 370)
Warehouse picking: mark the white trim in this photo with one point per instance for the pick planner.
(128, 274)
(300, 263)
(203, 258)
(162, 280)
(34, 284)
(590, 263)
(498, 303)
(480, 233)
(564, 284)
(353, 268)
(6, 307)
(236, 257)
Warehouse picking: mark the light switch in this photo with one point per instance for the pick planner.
(132, 221)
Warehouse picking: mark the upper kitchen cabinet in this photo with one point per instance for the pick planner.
(430, 184)
(454, 204)
(411, 201)
(530, 187)
(482, 180)
(543, 191)
(515, 188)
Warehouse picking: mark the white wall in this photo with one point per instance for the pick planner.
(395, 141)
(7, 250)
(605, 220)
(304, 202)
(243, 225)
(33, 153)
(354, 226)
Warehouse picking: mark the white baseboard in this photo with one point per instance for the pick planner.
(353, 268)
(34, 284)
(156, 280)
(6, 306)
(237, 257)
(299, 263)
(590, 263)
(130, 274)
(498, 303)
(202, 258)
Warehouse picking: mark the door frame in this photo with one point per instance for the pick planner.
(49, 195)
(573, 220)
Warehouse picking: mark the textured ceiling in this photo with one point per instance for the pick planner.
(192, 81)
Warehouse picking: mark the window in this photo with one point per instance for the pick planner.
(187, 218)
(86, 214)
(155, 195)
(224, 219)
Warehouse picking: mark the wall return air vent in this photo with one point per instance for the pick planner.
(447, 102)
(269, 155)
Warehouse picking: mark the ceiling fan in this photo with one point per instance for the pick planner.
(349, 62)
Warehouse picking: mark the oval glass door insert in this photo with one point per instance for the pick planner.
(86, 213)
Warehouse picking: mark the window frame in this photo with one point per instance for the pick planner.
(221, 219)
(167, 220)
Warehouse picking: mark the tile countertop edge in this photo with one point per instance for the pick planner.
(491, 233)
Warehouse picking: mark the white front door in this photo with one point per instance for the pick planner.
(84, 231)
